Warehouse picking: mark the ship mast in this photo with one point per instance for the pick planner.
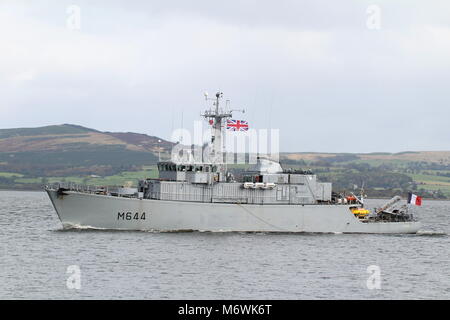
(216, 117)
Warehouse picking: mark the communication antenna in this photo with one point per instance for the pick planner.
(362, 193)
(361, 196)
(182, 127)
(173, 115)
(159, 150)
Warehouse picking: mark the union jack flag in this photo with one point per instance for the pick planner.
(237, 125)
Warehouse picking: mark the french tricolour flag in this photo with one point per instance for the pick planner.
(413, 199)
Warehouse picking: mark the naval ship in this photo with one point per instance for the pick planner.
(206, 196)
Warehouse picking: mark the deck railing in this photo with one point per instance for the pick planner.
(71, 186)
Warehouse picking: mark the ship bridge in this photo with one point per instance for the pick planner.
(264, 183)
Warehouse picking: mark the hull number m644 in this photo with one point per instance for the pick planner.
(130, 215)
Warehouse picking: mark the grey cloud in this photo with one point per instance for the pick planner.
(310, 68)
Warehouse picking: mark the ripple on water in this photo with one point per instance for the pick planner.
(36, 252)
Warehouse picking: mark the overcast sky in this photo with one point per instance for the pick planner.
(333, 76)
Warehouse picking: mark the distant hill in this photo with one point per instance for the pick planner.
(72, 137)
(47, 130)
(33, 157)
(440, 157)
(383, 174)
(71, 149)
(148, 143)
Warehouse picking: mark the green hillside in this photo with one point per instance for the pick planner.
(381, 174)
(32, 157)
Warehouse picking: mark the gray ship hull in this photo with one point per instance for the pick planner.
(83, 210)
